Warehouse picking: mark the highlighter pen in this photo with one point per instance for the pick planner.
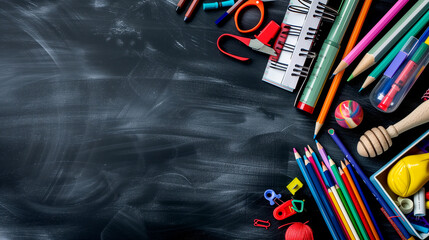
(229, 11)
(326, 57)
(387, 79)
(409, 70)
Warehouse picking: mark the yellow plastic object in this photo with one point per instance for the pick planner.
(294, 186)
(409, 174)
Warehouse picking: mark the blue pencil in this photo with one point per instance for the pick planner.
(328, 176)
(315, 195)
(313, 154)
(352, 174)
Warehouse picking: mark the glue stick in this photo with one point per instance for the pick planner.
(419, 203)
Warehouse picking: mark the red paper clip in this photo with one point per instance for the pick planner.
(261, 223)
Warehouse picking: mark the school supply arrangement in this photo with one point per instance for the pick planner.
(402, 54)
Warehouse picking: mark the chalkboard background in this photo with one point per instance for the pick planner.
(120, 121)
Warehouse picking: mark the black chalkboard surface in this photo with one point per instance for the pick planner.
(120, 121)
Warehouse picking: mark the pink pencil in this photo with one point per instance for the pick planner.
(370, 36)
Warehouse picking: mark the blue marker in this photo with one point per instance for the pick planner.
(229, 11)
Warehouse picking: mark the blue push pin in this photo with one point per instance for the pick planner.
(270, 195)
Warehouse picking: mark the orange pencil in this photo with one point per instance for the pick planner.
(355, 202)
(337, 79)
(361, 204)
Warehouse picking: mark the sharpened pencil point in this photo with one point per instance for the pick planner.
(186, 19)
(294, 150)
(350, 78)
(314, 136)
(316, 141)
(360, 90)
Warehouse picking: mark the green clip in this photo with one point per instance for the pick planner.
(294, 206)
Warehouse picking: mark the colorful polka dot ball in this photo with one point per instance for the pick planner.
(349, 114)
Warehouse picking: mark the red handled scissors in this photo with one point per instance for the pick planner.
(259, 43)
(251, 3)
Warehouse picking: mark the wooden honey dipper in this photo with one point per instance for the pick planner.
(378, 140)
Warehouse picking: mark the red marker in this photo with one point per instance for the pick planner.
(405, 75)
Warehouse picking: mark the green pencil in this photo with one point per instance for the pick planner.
(389, 58)
(348, 212)
(326, 57)
(391, 37)
(348, 199)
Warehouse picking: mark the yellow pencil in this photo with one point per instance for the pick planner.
(362, 206)
(346, 225)
(334, 190)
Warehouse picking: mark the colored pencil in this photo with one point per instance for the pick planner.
(368, 183)
(344, 216)
(328, 208)
(379, 69)
(347, 168)
(325, 190)
(391, 37)
(349, 202)
(370, 36)
(325, 158)
(313, 191)
(180, 5)
(316, 160)
(355, 203)
(327, 175)
(191, 10)
(337, 79)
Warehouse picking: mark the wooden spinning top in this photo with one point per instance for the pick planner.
(378, 140)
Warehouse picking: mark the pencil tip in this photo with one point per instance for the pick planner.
(178, 9)
(314, 136)
(350, 78)
(305, 149)
(332, 76)
(294, 150)
(360, 90)
(316, 141)
(185, 19)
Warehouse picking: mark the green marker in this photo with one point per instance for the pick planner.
(326, 57)
(389, 58)
(348, 199)
(391, 37)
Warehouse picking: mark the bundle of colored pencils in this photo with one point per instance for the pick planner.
(338, 196)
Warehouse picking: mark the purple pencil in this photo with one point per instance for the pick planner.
(325, 158)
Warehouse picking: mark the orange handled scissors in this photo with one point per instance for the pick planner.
(251, 3)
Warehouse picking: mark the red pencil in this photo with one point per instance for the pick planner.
(355, 202)
(191, 10)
